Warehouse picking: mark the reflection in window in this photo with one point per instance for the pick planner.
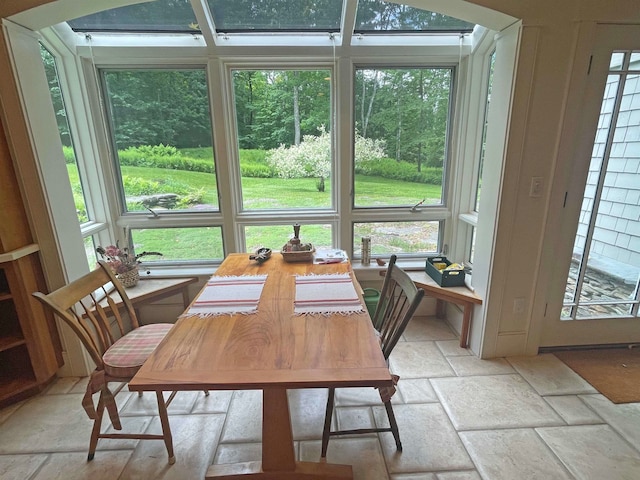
(388, 17)
(161, 128)
(397, 237)
(65, 134)
(472, 246)
(492, 61)
(275, 236)
(276, 15)
(90, 251)
(179, 244)
(284, 139)
(158, 16)
(402, 120)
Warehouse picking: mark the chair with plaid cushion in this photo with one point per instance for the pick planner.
(97, 309)
(398, 301)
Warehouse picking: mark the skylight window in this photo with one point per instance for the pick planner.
(267, 16)
(377, 16)
(160, 16)
(276, 15)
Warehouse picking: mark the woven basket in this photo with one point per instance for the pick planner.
(129, 279)
(297, 256)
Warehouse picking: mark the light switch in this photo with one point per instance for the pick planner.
(537, 185)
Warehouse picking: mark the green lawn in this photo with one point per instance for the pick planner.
(258, 193)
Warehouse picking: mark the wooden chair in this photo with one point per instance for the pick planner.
(398, 301)
(116, 342)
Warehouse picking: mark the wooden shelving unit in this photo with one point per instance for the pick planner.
(29, 344)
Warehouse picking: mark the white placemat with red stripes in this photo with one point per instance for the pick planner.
(229, 295)
(326, 295)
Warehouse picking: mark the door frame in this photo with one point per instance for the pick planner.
(594, 45)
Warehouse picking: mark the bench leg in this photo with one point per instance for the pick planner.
(466, 324)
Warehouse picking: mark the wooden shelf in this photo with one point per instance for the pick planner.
(17, 388)
(18, 253)
(29, 346)
(9, 342)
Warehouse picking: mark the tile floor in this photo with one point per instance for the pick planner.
(460, 418)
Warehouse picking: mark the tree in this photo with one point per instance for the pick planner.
(312, 157)
(406, 108)
(275, 107)
(153, 107)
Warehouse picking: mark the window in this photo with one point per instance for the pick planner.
(217, 145)
(157, 16)
(65, 134)
(401, 135)
(387, 17)
(284, 143)
(275, 236)
(276, 15)
(179, 244)
(418, 238)
(604, 278)
(161, 133)
(492, 62)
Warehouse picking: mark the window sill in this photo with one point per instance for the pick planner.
(371, 271)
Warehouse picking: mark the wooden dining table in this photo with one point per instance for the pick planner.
(272, 350)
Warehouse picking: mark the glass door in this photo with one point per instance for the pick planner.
(601, 294)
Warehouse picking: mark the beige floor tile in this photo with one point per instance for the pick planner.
(471, 475)
(80, 386)
(573, 410)
(195, 438)
(350, 418)
(550, 376)
(471, 365)
(428, 328)
(414, 476)
(593, 452)
(415, 390)
(429, 441)
(129, 425)
(442, 387)
(361, 452)
(6, 412)
(46, 423)
(357, 396)
(513, 454)
(624, 418)
(74, 466)
(215, 402)
(419, 360)
(20, 467)
(147, 404)
(64, 385)
(307, 409)
(244, 419)
(452, 348)
(489, 402)
(237, 453)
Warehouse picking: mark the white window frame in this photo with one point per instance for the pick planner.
(86, 111)
(474, 113)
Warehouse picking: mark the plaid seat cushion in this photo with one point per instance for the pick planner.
(127, 354)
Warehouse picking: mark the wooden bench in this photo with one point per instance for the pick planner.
(459, 295)
(151, 289)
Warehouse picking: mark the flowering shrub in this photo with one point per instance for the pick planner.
(120, 259)
(312, 158)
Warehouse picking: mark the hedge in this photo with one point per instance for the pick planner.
(253, 163)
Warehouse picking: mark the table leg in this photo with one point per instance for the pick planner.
(278, 455)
